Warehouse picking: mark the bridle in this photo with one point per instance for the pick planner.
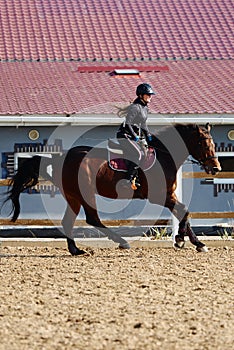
(201, 161)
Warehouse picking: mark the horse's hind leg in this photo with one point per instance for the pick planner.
(93, 219)
(87, 189)
(68, 224)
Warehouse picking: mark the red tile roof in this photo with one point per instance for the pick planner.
(60, 88)
(115, 29)
(192, 39)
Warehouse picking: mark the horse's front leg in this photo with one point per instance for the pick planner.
(185, 228)
(200, 247)
(178, 209)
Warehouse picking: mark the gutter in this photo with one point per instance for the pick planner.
(111, 119)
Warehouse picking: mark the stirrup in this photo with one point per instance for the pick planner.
(134, 185)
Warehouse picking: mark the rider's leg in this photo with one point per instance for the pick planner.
(132, 157)
(132, 169)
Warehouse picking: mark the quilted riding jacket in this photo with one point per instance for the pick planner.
(135, 125)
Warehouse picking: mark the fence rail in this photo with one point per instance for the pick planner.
(82, 223)
(201, 175)
(160, 222)
(185, 175)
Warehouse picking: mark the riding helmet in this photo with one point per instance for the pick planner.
(144, 89)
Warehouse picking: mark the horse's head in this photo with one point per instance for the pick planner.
(204, 150)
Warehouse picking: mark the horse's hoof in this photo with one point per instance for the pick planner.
(179, 245)
(76, 252)
(82, 252)
(179, 242)
(203, 249)
(124, 245)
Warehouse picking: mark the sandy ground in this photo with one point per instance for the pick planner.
(141, 299)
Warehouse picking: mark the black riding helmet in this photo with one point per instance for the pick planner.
(144, 89)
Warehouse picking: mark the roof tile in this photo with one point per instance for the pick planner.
(59, 88)
(92, 27)
(114, 34)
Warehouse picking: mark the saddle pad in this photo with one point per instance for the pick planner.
(118, 164)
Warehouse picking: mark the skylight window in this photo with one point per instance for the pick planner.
(122, 72)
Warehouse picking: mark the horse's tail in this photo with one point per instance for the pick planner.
(26, 177)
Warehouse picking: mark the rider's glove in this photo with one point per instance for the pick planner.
(136, 138)
(143, 143)
(149, 138)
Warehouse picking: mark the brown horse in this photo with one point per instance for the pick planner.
(85, 171)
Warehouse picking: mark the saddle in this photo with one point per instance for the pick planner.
(118, 163)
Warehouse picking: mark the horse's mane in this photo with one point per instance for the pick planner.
(185, 130)
(174, 133)
(166, 130)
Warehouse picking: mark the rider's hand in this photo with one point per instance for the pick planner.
(136, 138)
(143, 143)
(149, 138)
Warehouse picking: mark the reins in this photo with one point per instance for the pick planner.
(200, 162)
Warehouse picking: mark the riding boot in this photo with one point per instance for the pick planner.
(132, 174)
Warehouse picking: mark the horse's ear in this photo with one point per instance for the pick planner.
(208, 127)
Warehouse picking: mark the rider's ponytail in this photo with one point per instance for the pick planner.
(122, 111)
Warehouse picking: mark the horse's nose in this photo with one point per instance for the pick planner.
(216, 170)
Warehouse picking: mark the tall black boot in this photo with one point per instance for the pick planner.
(132, 174)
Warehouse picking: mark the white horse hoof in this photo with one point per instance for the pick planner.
(124, 246)
(202, 249)
(179, 245)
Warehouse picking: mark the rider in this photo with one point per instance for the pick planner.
(134, 128)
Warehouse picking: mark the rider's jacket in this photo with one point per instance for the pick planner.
(135, 121)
